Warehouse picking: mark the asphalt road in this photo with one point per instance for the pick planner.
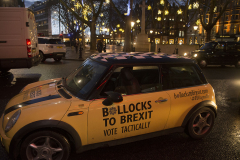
(223, 143)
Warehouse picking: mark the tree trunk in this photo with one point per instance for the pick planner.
(127, 40)
(93, 36)
(208, 37)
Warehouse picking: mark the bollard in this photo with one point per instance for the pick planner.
(176, 50)
(159, 50)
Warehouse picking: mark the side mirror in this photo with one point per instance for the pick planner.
(112, 97)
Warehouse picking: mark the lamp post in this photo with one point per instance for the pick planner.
(195, 29)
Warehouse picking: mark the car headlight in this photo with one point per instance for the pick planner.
(12, 121)
(195, 55)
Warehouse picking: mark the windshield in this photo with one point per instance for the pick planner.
(81, 82)
(207, 46)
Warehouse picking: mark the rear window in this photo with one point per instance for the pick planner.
(49, 41)
(55, 41)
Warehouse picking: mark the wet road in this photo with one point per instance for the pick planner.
(222, 143)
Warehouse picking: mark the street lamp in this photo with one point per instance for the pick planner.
(195, 29)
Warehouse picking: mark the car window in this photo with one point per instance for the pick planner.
(82, 81)
(43, 41)
(231, 47)
(220, 47)
(180, 76)
(208, 46)
(133, 80)
(55, 41)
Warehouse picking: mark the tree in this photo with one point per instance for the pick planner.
(208, 6)
(86, 11)
(67, 19)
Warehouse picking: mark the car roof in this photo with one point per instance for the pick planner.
(223, 42)
(143, 58)
(48, 38)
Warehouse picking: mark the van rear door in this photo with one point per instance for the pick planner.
(12, 33)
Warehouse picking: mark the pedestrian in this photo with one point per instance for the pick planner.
(76, 46)
(99, 46)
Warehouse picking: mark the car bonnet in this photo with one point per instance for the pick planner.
(38, 95)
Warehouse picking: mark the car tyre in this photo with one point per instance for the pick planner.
(237, 65)
(45, 145)
(42, 56)
(201, 123)
(57, 59)
(202, 63)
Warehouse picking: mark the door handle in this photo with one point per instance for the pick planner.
(161, 100)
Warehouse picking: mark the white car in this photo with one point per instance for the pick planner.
(51, 48)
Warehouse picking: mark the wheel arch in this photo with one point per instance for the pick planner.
(207, 103)
(51, 125)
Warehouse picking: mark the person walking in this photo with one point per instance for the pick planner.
(99, 46)
(76, 46)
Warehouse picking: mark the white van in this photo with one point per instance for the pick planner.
(18, 39)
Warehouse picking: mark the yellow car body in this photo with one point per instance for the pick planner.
(88, 123)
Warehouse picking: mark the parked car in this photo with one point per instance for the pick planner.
(18, 39)
(110, 99)
(218, 53)
(51, 48)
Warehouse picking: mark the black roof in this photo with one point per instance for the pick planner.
(223, 42)
(134, 57)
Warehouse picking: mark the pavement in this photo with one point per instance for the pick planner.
(71, 53)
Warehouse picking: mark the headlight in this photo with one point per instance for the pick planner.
(12, 121)
(185, 54)
(195, 55)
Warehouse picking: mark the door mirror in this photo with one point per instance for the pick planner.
(112, 97)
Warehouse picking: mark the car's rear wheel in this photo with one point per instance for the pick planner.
(237, 65)
(57, 59)
(45, 145)
(202, 63)
(43, 58)
(201, 123)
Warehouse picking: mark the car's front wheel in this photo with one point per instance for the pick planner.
(201, 123)
(58, 59)
(202, 63)
(45, 145)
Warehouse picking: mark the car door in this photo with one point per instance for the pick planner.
(219, 54)
(184, 84)
(231, 53)
(144, 109)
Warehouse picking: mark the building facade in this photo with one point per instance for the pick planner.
(12, 3)
(227, 27)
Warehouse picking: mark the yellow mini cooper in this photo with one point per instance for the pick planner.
(110, 99)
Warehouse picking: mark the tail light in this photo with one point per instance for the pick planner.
(49, 46)
(29, 48)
